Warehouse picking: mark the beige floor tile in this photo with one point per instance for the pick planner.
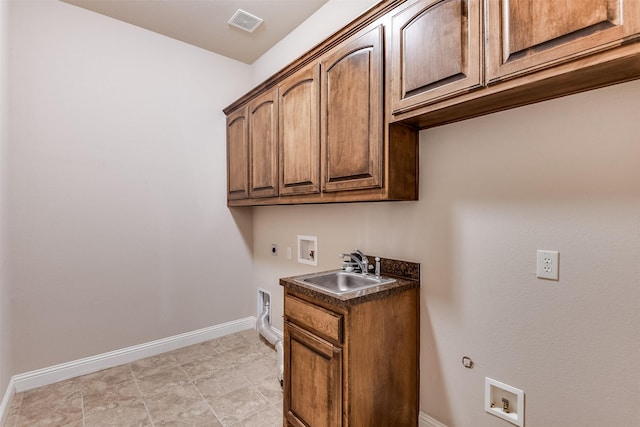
(51, 412)
(162, 380)
(220, 383)
(110, 384)
(149, 365)
(195, 352)
(105, 378)
(256, 370)
(52, 393)
(205, 420)
(229, 381)
(14, 409)
(261, 344)
(122, 392)
(118, 413)
(230, 342)
(242, 354)
(183, 401)
(270, 388)
(268, 417)
(249, 334)
(238, 405)
(206, 367)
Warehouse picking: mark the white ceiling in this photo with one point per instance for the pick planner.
(204, 23)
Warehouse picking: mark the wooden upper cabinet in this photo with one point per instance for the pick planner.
(299, 132)
(436, 52)
(263, 142)
(352, 114)
(237, 155)
(528, 35)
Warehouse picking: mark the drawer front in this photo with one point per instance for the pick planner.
(318, 320)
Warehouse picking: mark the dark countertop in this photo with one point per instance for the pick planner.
(406, 275)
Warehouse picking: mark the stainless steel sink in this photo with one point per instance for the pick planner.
(342, 282)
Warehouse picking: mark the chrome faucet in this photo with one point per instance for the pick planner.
(360, 259)
(365, 261)
(353, 258)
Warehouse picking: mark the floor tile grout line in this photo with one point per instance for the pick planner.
(255, 388)
(84, 424)
(144, 402)
(233, 366)
(225, 349)
(215, 414)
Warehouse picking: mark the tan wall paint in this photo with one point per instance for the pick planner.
(332, 16)
(119, 232)
(5, 307)
(561, 175)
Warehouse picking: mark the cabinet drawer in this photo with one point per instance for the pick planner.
(318, 320)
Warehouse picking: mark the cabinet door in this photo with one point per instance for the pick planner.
(352, 114)
(436, 52)
(263, 137)
(313, 379)
(237, 155)
(299, 133)
(527, 35)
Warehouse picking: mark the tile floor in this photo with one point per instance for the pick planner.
(230, 381)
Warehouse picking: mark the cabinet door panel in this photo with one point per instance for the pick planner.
(263, 134)
(436, 51)
(237, 155)
(527, 35)
(299, 141)
(313, 384)
(352, 113)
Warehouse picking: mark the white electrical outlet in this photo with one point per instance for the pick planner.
(547, 266)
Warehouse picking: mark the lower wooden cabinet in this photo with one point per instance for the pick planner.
(351, 363)
(314, 379)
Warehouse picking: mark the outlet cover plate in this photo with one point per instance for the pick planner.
(548, 265)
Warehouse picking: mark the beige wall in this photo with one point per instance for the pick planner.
(332, 16)
(5, 314)
(120, 235)
(561, 175)
(119, 230)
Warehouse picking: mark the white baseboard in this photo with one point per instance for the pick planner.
(6, 401)
(88, 365)
(425, 420)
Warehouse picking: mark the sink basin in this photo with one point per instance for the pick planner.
(342, 282)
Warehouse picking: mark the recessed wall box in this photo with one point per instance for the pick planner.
(308, 250)
(504, 401)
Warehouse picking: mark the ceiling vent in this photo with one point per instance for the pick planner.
(245, 21)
